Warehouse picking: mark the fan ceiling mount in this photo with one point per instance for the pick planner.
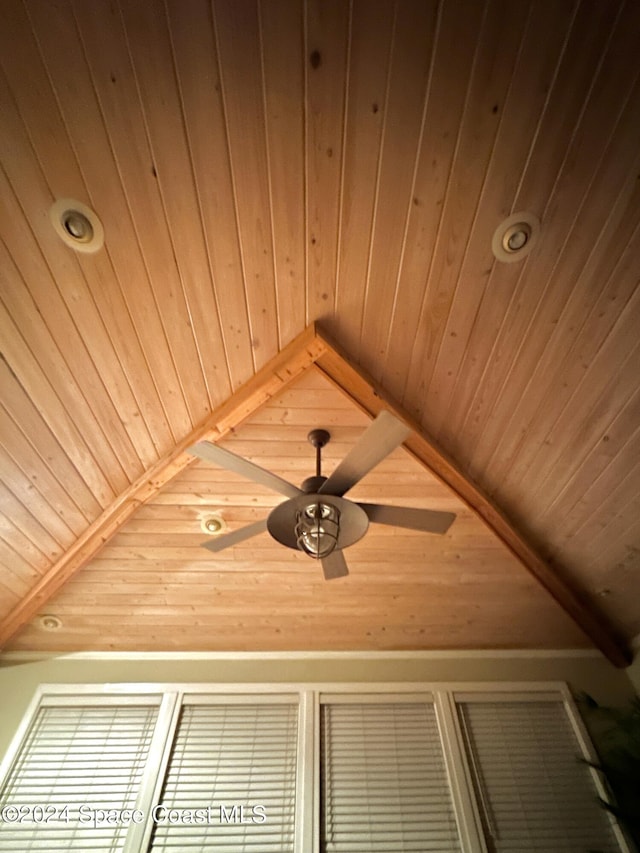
(317, 518)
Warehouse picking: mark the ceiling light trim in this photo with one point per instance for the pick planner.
(77, 225)
(515, 237)
(213, 524)
(49, 622)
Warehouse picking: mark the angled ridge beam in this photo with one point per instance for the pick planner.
(371, 398)
(292, 361)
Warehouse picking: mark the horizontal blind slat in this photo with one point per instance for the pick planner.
(232, 756)
(77, 757)
(384, 785)
(538, 790)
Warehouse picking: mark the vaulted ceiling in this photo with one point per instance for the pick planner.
(262, 167)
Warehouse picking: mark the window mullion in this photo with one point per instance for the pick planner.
(306, 781)
(462, 794)
(139, 834)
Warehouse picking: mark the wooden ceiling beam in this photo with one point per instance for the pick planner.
(309, 348)
(368, 394)
(290, 363)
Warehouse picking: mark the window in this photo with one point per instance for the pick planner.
(536, 794)
(384, 782)
(76, 764)
(301, 769)
(236, 766)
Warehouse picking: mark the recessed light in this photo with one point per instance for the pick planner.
(514, 238)
(213, 524)
(77, 225)
(48, 622)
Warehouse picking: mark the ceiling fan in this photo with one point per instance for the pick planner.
(317, 518)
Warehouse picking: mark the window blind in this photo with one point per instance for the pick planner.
(237, 765)
(535, 792)
(75, 763)
(383, 780)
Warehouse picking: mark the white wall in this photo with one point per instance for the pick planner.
(583, 670)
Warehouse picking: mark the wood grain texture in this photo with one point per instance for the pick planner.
(295, 358)
(362, 389)
(260, 166)
(229, 490)
(400, 590)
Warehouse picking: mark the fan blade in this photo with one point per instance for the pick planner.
(334, 566)
(226, 459)
(382, 436)
(427, 520)
(219, 543)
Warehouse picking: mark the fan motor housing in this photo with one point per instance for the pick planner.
(312, 485)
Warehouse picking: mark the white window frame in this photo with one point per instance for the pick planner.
(443, 695)
(551, 692)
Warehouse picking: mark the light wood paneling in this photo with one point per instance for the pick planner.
(259, 166)
(403, 588)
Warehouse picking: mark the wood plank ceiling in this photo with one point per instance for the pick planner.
(260, 166)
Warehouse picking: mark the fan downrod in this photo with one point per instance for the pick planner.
(318, 438)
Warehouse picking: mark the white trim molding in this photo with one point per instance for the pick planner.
(426, 655)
